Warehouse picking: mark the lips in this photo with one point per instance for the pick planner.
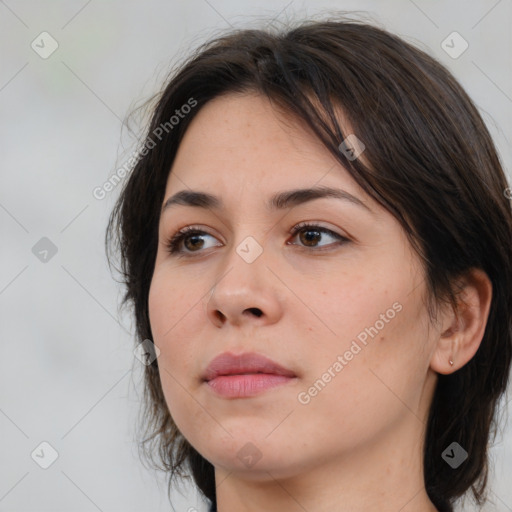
(243, 364)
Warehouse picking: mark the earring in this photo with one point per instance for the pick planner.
(451, 362)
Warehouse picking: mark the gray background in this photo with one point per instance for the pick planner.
(68, 373)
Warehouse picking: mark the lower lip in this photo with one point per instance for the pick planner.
(240, 386)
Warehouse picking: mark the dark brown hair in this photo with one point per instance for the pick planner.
(431, 163)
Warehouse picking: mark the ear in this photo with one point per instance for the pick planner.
(462, 329)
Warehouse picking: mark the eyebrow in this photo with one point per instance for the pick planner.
(279, 201)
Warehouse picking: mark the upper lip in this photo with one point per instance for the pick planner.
(247, 362)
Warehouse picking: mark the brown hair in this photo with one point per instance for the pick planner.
(431, 163)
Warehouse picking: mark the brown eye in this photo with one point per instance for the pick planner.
(194, 241)
(311, 234)
(190, 237)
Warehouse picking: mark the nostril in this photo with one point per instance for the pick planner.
(220, 316)
(255, 311)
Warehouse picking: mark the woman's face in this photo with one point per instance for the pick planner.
(339, 304)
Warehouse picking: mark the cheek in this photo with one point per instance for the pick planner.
(172, 299)
(377, 385)
(377, 327)
(172, 306)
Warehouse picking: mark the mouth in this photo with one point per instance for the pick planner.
(245, 375)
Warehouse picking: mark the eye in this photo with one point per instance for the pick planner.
(189, 233)
(313, 233)
(192, 238)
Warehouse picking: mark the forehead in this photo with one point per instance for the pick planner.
(241, 141)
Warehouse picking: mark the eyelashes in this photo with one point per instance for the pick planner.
(191, 233)
(174, 244)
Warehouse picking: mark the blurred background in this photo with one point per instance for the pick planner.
(70, 73)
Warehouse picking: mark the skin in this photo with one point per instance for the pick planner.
(357, 445)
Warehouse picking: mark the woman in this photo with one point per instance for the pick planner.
(316, 241)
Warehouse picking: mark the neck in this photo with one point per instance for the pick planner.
(384, 476)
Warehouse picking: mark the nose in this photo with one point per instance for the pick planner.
(245, 292)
